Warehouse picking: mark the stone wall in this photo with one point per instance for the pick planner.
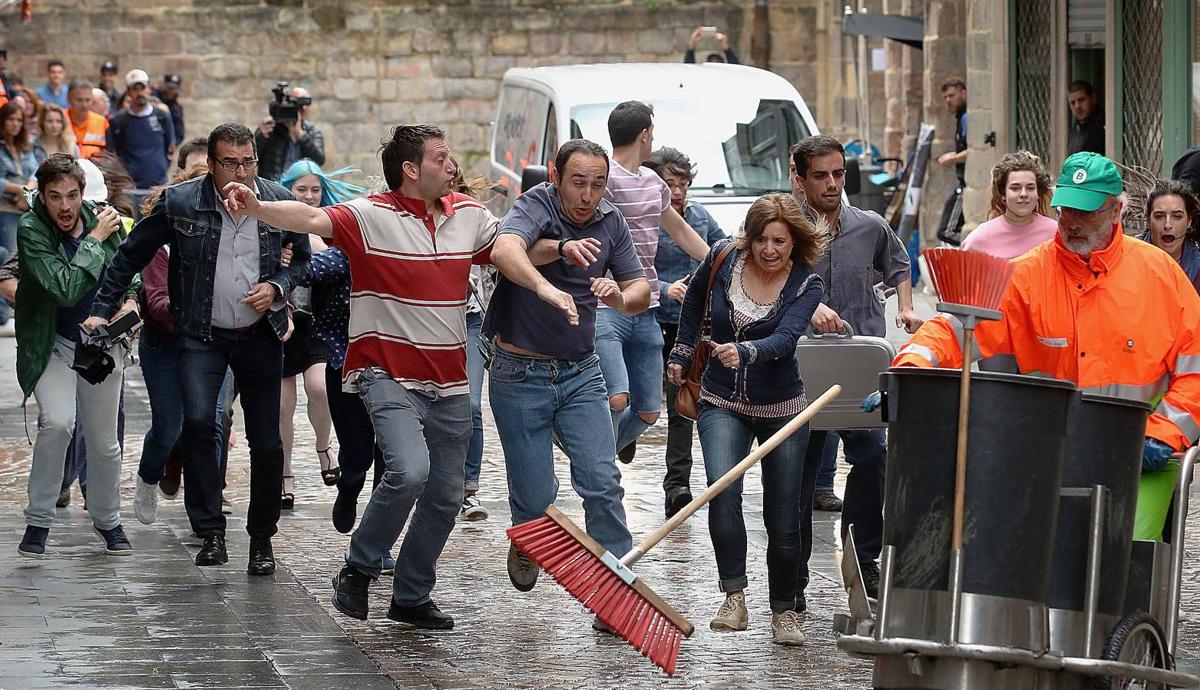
(369, 64)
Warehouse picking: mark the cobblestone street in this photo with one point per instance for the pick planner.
(79, 618)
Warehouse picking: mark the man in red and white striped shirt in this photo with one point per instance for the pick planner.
(410, 251)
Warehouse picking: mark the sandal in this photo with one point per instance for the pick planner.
(287, 501)
(329, 472)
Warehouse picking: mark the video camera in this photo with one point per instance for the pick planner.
(286, 108)
(92, 360)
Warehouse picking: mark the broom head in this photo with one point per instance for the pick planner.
(608, 589)
(968, 278)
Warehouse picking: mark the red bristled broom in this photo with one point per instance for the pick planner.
(971, 286)
(606, 585)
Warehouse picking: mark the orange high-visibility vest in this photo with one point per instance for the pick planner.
(1124, 324)
(92, 135)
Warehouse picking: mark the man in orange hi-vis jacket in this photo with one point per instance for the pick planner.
(1112, 313)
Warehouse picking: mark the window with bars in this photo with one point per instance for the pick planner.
(1034, 92)
(1142, 86)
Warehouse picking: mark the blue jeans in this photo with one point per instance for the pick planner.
(160, 359)
(726, 438)
(160, 369)
(828, 464)
(630, 350)
(256, 358)
(862, 506)
(531, 397)
(476, 367)
(424, 440)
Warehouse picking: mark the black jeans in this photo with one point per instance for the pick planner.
(356, 437)
(863, 504)
(256, 358)
(679, 430)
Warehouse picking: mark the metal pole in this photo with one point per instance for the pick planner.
(1182, 494)
(1091, 597)
(885, 590)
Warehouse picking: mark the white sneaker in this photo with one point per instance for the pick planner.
(8, 329)
(145, 502)
(472, 510)
(732, 615)
(785, 627)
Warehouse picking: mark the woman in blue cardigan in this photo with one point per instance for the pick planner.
(763, 297)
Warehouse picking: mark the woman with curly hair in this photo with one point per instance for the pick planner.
(1018, 215)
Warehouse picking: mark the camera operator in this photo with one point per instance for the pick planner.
(286, 135)
(66, 246)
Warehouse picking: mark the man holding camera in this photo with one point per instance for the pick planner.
(286, 135)
(66, 247)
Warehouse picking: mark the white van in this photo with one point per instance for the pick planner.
(736, 123)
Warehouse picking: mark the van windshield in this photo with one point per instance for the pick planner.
(741, 147)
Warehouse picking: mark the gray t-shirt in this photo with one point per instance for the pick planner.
(519, 317)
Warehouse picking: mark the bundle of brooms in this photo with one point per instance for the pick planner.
(607, 586)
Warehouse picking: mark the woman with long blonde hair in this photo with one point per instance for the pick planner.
(56, 136)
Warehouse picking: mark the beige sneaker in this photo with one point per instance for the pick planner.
(786, 628)
(732, 615)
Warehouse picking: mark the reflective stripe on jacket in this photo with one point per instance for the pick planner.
(1124, 324)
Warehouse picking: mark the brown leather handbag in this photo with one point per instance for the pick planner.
(687, 399)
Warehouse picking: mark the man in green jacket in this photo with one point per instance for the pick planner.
(65, 247)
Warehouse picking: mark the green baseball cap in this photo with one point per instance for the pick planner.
(1087, 180)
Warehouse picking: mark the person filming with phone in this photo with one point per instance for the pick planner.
(708, 34)
(285, 135)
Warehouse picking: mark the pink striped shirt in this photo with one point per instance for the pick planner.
(641, 197)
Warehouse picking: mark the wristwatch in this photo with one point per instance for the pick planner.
(561, 244)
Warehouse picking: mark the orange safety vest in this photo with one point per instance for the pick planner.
(1124, 324)
(92, 135)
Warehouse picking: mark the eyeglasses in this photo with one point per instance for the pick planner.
(230, 166)
(1087, 215)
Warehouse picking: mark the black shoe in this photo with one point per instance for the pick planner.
(677, 502)
(827, 501)
(350, 592)
(626, 454)
(262, 558)
(212, 552)
(870, 576)
(115, 541)
(345, 512)
(33, 544)
(64, 498)
(426, 615)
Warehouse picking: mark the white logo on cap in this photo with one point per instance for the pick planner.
(1080, 176)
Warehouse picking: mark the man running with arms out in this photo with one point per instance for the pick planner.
(545, 375)
(410, 252)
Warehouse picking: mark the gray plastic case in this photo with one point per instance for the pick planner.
(852, 361)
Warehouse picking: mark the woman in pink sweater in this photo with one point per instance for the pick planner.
(1020, 201)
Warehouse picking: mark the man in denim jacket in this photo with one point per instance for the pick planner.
(227, 288)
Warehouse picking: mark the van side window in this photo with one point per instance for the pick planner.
(520, 129)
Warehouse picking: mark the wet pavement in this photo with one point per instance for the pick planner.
(154, 620)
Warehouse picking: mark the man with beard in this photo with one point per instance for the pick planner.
(861, 245)
(1111, 313)
(66, 247)
(142, 135)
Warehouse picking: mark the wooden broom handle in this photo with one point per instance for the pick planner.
(734, 474)
(960, 455)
